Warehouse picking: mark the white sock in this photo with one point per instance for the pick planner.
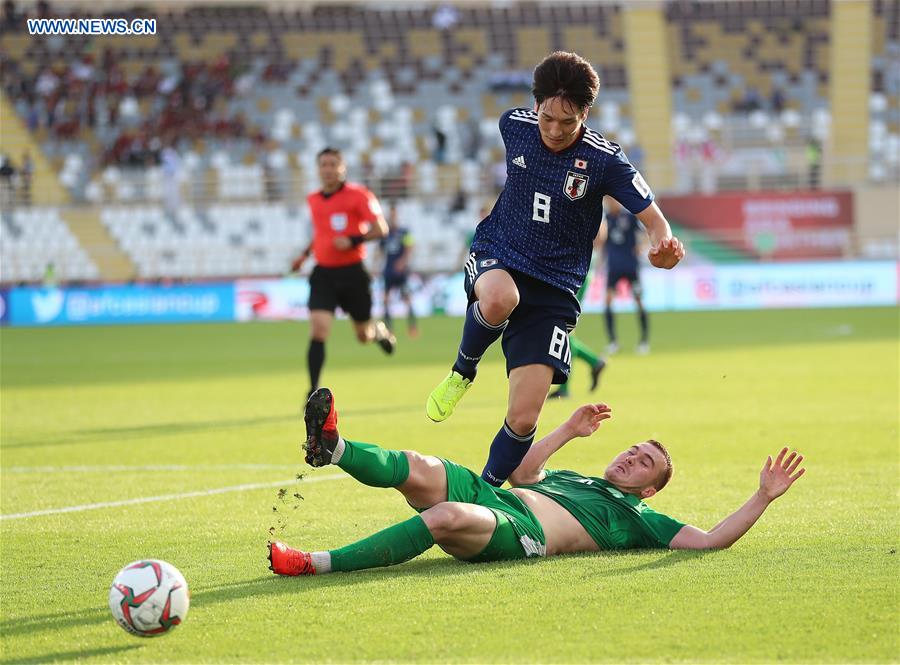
(322, 562)
(338, 450)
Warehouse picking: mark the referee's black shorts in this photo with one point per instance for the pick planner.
(347, 287)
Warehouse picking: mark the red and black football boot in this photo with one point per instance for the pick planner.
(284, 560)
(321, 428)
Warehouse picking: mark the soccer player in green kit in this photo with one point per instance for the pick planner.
(545, 513)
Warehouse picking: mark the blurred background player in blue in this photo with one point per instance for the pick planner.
(397, 248)
(531, 254)
(621, 249)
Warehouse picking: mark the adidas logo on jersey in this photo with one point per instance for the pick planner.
(520, 161)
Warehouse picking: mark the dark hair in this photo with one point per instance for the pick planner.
(666, 476)
(566, 75)
(329, 150)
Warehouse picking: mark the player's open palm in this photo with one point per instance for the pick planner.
(777, 477)
(587, 418)
(667, 253)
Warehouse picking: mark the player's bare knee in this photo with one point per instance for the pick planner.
(443, 520)
(426, 483)
(362, 336)
(523, 421)
(420, 467)
(496, 307)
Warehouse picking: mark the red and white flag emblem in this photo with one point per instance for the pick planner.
(580, 164)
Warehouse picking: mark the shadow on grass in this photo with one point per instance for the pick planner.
(67, 655)
(434, 570)
(173, 429)
(672, 558)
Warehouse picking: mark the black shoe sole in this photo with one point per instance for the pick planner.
(318, 407)
(595, 375)
(387, 345)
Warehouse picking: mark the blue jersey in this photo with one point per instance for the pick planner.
(621, 241)
(394, 245)
(545, 219)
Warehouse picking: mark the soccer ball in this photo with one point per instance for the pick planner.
(149, 598)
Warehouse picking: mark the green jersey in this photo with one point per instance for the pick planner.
(615, 520)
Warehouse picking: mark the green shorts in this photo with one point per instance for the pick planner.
(518, 534)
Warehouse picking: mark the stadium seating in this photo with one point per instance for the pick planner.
(36, 245)
(234, 240)
(411, 93)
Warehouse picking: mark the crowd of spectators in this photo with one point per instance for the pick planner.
(134, 116)
(139, 114)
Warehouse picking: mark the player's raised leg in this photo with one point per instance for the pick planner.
(463, 530)
(422, 479)
(495, 297)
(528, 386)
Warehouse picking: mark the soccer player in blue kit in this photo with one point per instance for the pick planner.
(620, 249)
(397, 247)
(530, 255)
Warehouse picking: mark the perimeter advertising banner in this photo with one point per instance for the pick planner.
(286, 299)
(739, 286)
(758, 286)
(776, 225)
(271, 299)
(121, 304)
(4, 309)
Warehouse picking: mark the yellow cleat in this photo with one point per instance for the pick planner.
(446, 396)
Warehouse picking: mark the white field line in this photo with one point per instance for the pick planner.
(167, 497)
(104, 468)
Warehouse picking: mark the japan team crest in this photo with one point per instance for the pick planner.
(576, 185)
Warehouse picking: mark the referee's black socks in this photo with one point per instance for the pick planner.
(315, 359)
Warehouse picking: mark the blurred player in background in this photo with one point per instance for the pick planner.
(344, 216)
(397, 248)
(621, 251)
(544, 514)
(580, 350)
(531, 254)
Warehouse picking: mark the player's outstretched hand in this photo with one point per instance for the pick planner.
(587, 419)
(667, 253)
(777, 477)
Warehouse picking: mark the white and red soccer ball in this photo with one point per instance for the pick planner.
(149, 598)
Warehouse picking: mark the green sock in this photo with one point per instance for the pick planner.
(391, 546)
(582, 351)
(372, 465)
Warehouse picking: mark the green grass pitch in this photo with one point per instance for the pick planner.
(95, 415)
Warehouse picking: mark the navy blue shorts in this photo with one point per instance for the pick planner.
(539, 327)
(614, 276)
(395, 280)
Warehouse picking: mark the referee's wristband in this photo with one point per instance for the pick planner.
(357, 240)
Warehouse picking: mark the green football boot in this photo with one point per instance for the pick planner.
(446, 396)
